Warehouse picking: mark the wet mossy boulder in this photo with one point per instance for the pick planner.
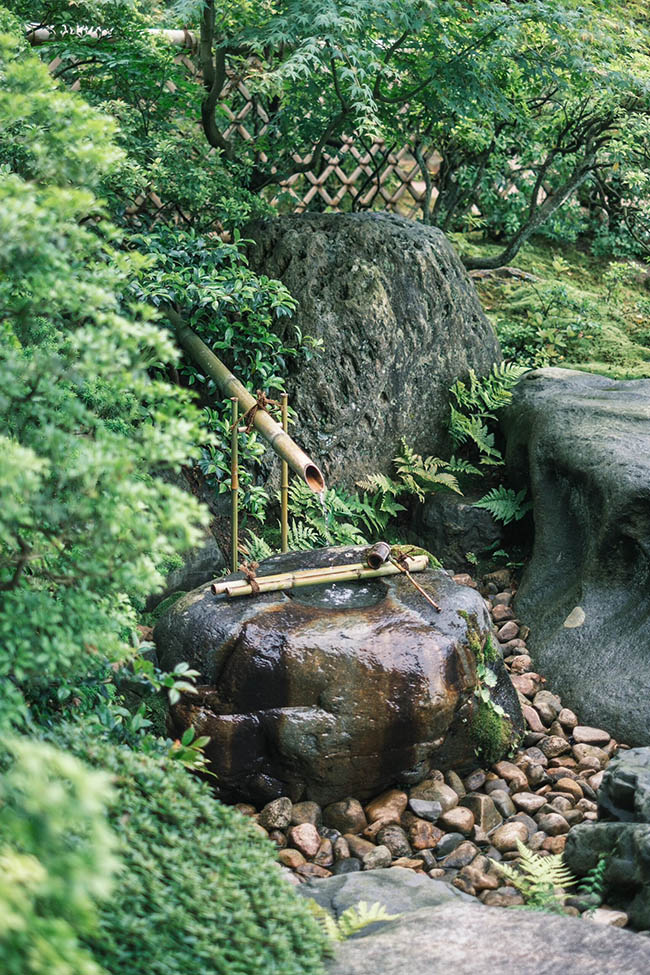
(336, 690)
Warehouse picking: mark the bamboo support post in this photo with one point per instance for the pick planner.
(234, 485)
(313, 577)
(284, 485)
(229, 385)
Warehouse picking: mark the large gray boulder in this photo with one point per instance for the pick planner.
(438, 933)
(583, 444)
(400, 321)
(335, 690)
(622, 835)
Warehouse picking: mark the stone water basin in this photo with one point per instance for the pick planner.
(329, 691)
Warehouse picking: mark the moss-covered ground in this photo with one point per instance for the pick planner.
(580, 311)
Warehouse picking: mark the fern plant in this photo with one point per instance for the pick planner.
(477, 403)
(504, 504)
(338, 517)
(541, 881)
(592, 885)
(415, 476)
(351, 921)
(256, 548)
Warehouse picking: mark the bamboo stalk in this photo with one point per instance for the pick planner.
(234, 485)
(284, 485)
(313, 577)
(229, 385)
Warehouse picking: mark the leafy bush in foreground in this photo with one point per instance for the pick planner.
(56, 860)
(200, 893)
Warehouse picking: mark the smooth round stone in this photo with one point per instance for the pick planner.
(448, 843)
(346, 815)
(504, 838)
(395, 839)
(553, 824)
(567, 719)
(435, 791)
(349, 865)
(276, 814)
(304, 838)
(528, 802)
(585, 735)
(306, 812)
(387, 807)
(291, 858)
(503, 803)
(463, 855)
(426, 809)
(458, 820)
(475, 780)
(554, 745)
(378, 858)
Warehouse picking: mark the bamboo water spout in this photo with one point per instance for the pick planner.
(281, 442)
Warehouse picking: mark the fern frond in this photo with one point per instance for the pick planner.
(326, 922)
(256, 548)
(380, 482)
(360, 915)
(504, 504)
(301, 537)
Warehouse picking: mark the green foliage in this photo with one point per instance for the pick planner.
(338, 517)
(504, 504)
(491, 735)
(199, 891)
(541, 880)
(352, 920)
(553, 324)
(593, 885)
(603, 326)
(477, 404)
(416, 476)
(57, 860)
(491, 728)
(86, 430)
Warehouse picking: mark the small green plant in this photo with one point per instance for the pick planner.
(351, 921)
(188, 750)
(491, 728)
(592, 886)
(505, 504)
(541, 881)
(416, 476)
(478, 402)
(471, 558)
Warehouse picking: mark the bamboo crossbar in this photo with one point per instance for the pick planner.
(313, 577)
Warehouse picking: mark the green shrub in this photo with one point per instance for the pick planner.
(56, 860)
(200, 892)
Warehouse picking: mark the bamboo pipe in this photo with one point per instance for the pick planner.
(312, 577)
(229, 385)
(234, 485)
(284, 483)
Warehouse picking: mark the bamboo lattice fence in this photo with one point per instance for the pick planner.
(354, 176)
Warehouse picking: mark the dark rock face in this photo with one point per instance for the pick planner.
(622, 834)
(400, 320)
(440, 930)
(583, 442)
(333, 691)
(449, 526)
